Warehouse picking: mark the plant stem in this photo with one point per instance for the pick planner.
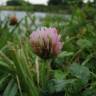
(37, 69)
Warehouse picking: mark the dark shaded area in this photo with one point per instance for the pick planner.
(65, 2)
(58, 94)
(17, 3)
(69, 3)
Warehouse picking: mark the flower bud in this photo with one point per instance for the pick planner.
(13, 20)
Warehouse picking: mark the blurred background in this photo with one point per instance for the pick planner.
(42, 8)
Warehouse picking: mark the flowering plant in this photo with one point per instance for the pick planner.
(46, 42)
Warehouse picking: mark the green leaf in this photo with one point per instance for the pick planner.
(65, 54)
(11, 89)
(62, 84)
(59, 75)
(5, 68)
(84, 43)
(3, 79)
(80, 72)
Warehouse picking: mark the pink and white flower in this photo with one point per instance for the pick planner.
(46, 42)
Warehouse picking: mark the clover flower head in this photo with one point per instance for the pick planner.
(46, 42)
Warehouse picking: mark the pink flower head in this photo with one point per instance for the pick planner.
(46, 42)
